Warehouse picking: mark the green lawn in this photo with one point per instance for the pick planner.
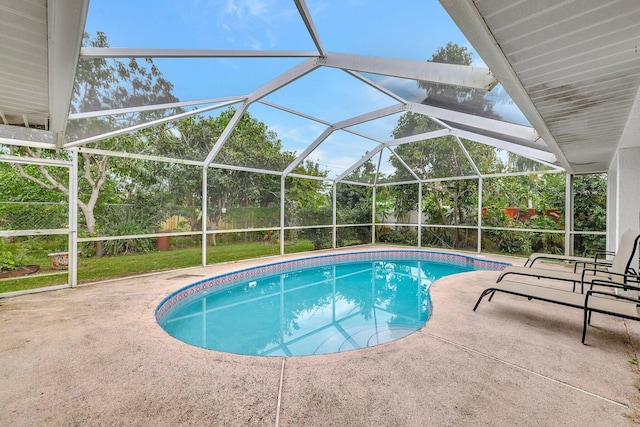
(96, 269)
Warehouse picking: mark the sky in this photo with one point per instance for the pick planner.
(405, 29)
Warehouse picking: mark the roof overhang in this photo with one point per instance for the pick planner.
(572, 68)
(37, 68)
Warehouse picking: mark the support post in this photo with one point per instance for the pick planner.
(282, 198)
(420, 214)
(480, 214)
(373, 216)
(73, 222)
(334, 236)
(627, 195)
(204, 216)
(568, 215)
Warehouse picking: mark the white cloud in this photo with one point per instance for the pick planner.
(232, 8)
(256, 7)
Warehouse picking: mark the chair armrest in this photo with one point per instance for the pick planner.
(596, 252)
(623, 286)
(605, 263)
(603, 254)
(625, 278)
(616, 296)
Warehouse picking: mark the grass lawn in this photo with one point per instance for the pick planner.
(96, 269)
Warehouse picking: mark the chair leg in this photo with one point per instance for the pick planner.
(482, 295)
(587, 320)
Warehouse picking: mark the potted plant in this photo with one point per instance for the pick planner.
(60, 260)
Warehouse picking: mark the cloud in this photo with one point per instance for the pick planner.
(255, 24)
(231, 8)
(244, 13)
(256, 7)
(296, 138)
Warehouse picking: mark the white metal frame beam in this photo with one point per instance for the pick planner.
(154, 107)
(531, 153)
(324, 135)
(406, 166)
(383, 112)
(317, 120)
(377, 86)
(359, 163)
(23, 143)
(294, 112)
(145, 125)
(282, 80)
(460, 75)
(492, 125)
(308, 22)
(124, 52)
(34, 161)
(418, 137)
(226, 133)
(372, 115)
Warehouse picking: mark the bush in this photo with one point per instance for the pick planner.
(10, 260)
(398, 235)
(129, 220)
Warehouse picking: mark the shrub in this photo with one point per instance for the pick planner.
(18, 258)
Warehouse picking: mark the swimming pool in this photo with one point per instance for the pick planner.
(317, 305)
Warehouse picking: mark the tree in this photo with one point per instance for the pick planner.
(447, 202)
(251, 144)
(26, 205)
(102, 84)
(15, 189)
(452, 201)
(590, 210)
(308, 202)
(354, 201)
(463, 99)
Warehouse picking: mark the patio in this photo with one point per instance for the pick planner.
(94, 355)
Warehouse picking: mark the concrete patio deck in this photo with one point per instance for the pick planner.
(95, 355)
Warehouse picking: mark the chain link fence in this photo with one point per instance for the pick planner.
(33, 215)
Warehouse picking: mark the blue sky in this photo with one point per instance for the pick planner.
(409, 29)
(405, 29)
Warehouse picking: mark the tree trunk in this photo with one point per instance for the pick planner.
(214, 225)
(91, 228)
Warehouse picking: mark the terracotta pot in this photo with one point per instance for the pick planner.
(60, 260)
(163, 242)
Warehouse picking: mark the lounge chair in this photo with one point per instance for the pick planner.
(599, 301)
(617, 304)
(620, 266)
(599, 258)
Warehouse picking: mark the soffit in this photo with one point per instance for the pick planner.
(24, 97)
(573, 67)
(40, 44)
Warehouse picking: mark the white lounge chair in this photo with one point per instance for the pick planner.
(598, 259)
(620, 266)
(593, 301)
(625, 305)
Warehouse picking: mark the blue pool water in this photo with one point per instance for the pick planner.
(327, 308)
